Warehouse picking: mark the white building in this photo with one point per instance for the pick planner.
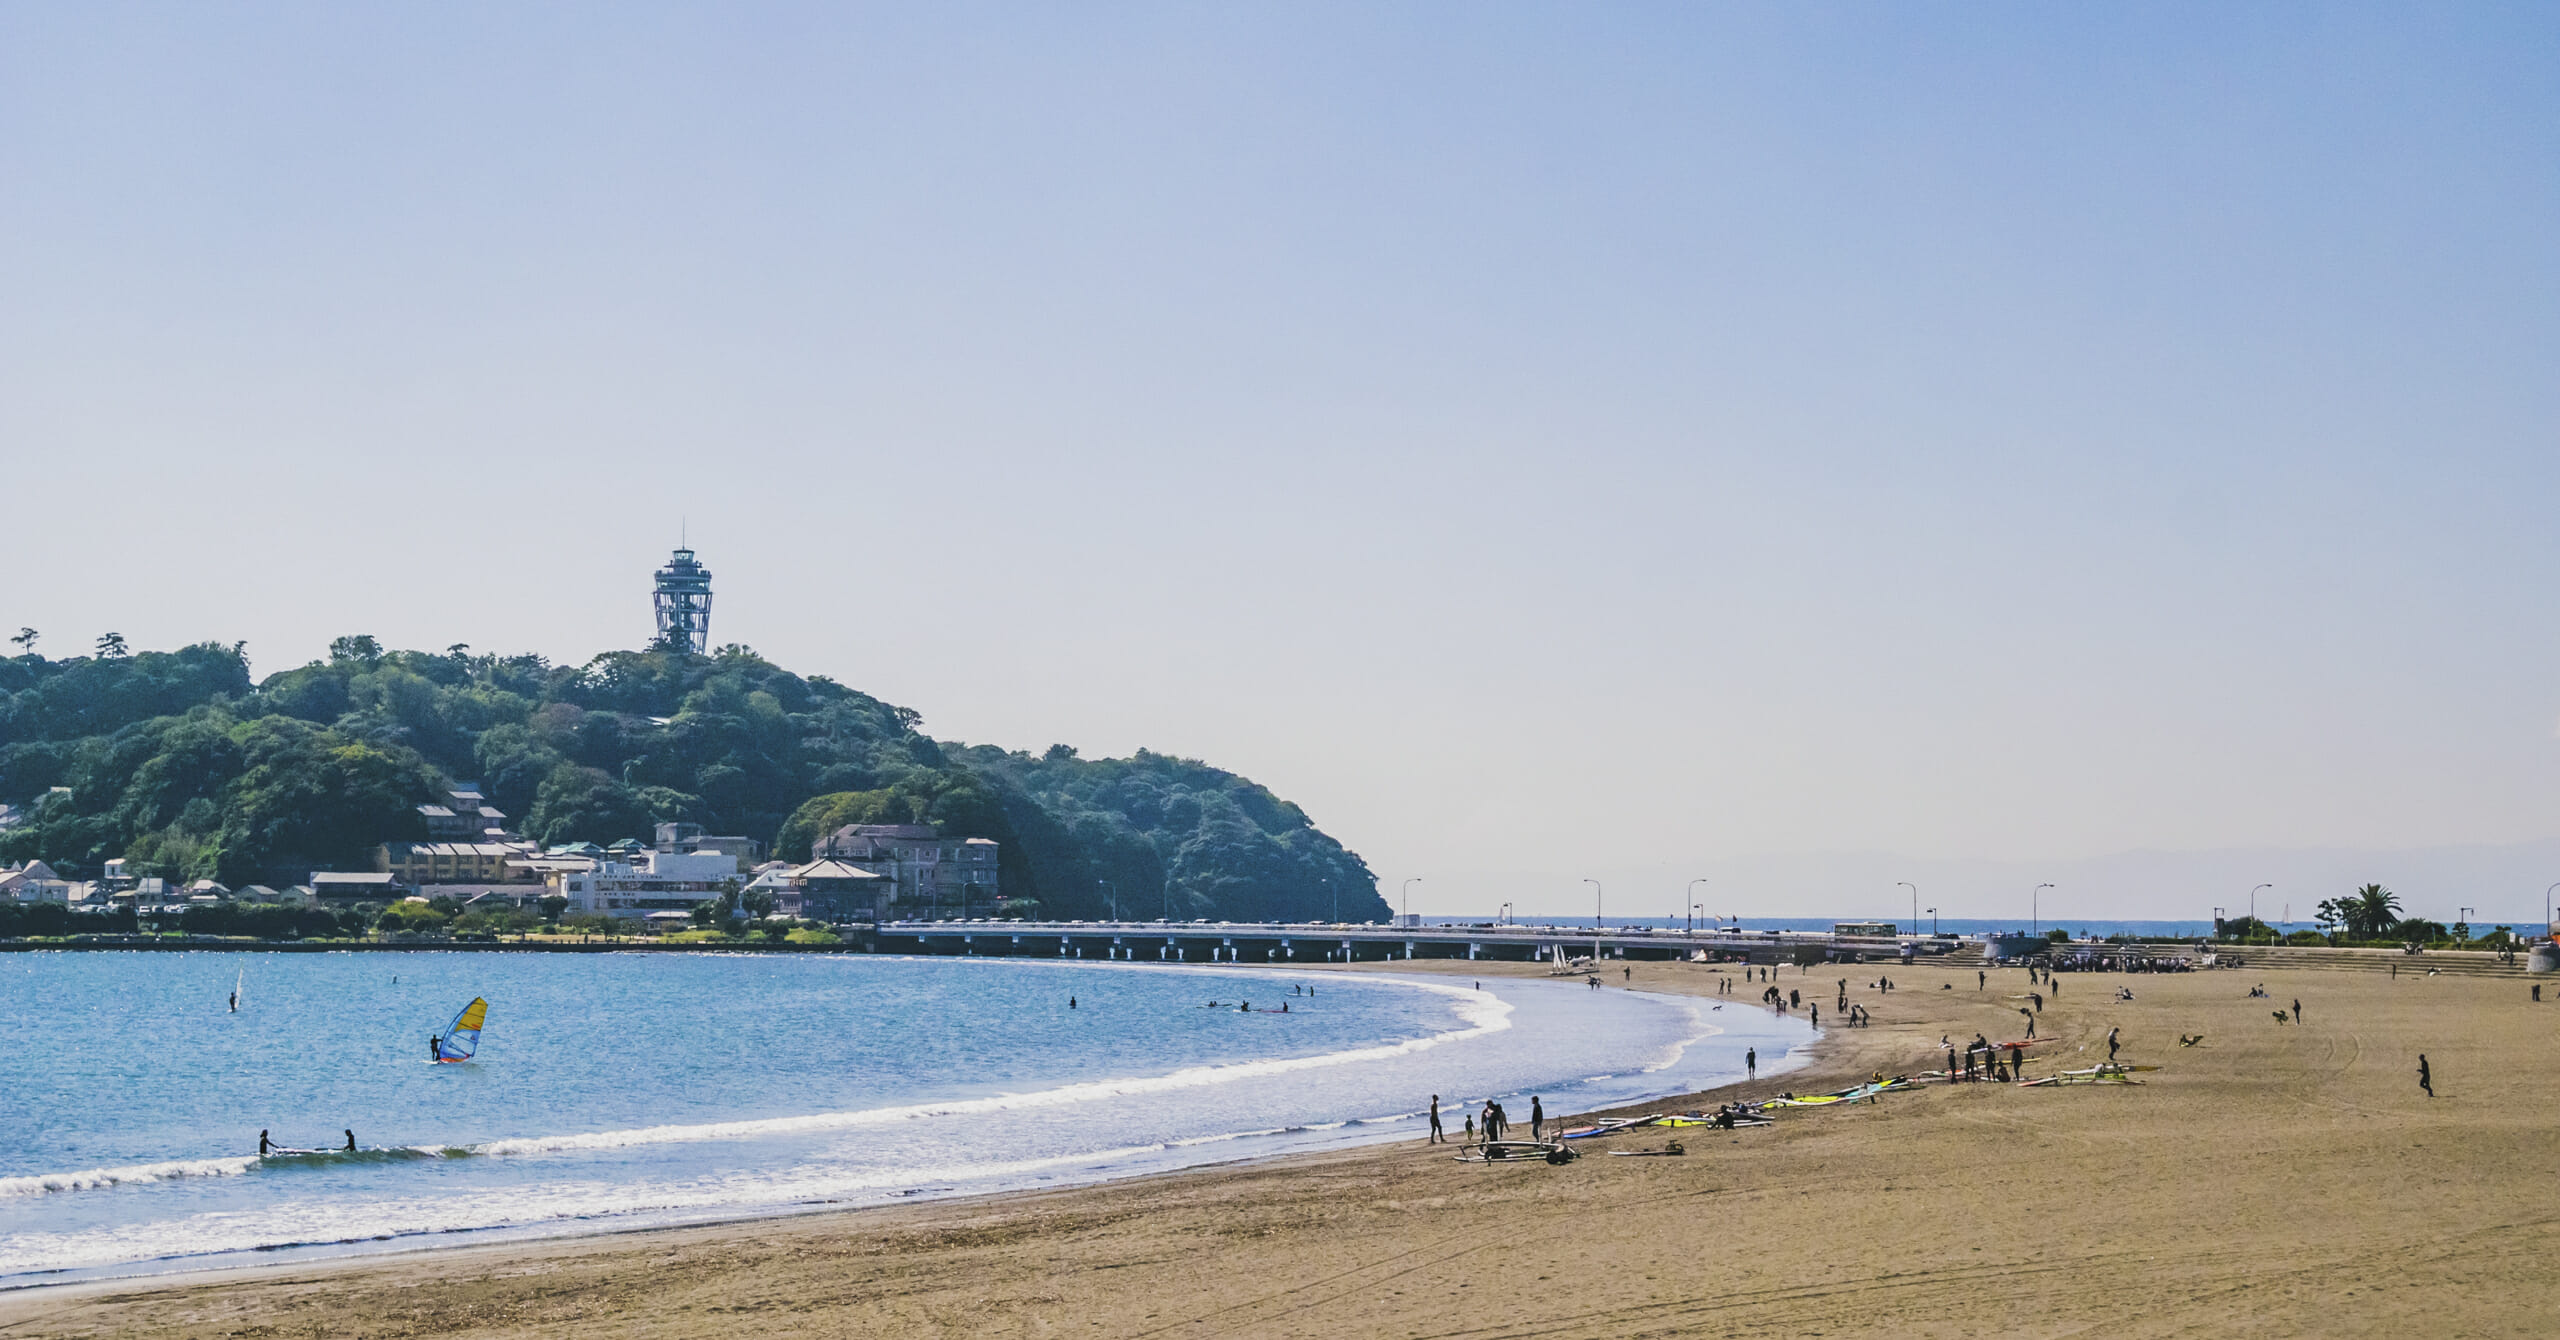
(651, 881)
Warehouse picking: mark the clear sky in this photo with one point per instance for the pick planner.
(1544, 441)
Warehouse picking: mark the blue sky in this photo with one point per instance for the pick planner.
(1623, 441)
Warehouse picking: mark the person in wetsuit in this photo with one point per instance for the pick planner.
(351, 1142)
(435, 1048)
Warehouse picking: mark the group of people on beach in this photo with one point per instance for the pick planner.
(1496, 1122)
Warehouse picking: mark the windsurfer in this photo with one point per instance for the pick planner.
(262, 1144)
(435, 1048)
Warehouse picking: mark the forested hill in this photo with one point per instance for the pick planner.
(182, 764)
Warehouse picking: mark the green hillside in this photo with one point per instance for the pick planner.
(182, 764)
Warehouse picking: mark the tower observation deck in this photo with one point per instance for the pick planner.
(684, 605)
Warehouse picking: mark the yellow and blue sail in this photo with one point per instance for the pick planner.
(462, 1037)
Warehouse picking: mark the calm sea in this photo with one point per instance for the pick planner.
(620, 1090)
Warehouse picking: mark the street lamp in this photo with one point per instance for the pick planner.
(2253, 903)
(1503, 918)
(2035, 915)
(1595, 919)
(1933, 924)
(1693, 907)
(2546, 909)
(1915, 902)
(1407, 894)
(2462, 916)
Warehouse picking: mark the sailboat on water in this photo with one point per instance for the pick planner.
(461, 1038)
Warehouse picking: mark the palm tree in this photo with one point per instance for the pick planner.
(111, 646)
(2373, 912)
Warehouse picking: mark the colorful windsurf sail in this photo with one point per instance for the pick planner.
(462, 1037)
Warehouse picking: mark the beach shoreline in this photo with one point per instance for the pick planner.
(1959, 1209)
(995, 1166)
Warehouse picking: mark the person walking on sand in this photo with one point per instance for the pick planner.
(2111, 1046)
(1438, 1137)
(2426, 1078)
(1537, 1119)
(2297, 1010)
(1981, 979)
(2031, 1024)
(1751, 1062)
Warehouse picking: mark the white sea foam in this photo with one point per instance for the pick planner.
(93, 1178)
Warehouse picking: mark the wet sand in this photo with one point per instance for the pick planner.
(2274, 1180)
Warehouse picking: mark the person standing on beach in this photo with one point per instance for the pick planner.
(1981, 979)
(1817, 1014)
(2426, 1078)
(2297, 1011)
(2111, 1046)
(1751, 1062)
(1537, 1119)
(1438, 1137)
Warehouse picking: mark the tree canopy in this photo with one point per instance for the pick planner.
(178, 763)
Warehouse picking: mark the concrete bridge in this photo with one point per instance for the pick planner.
(1316, 942)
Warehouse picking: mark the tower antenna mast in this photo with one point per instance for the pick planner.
(683, 603)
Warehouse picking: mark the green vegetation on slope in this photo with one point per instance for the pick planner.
(177, 762)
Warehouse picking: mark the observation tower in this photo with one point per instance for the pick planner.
(684, 605)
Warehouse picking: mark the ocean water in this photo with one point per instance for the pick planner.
(625, 1090)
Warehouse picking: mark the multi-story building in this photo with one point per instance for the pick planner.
(34, 882)
(464, 815)
(422, 863)
(690, 838)
(830, 890)
(650, 881)
(930, 875)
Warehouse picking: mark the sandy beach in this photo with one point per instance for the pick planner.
(2274, 1179)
